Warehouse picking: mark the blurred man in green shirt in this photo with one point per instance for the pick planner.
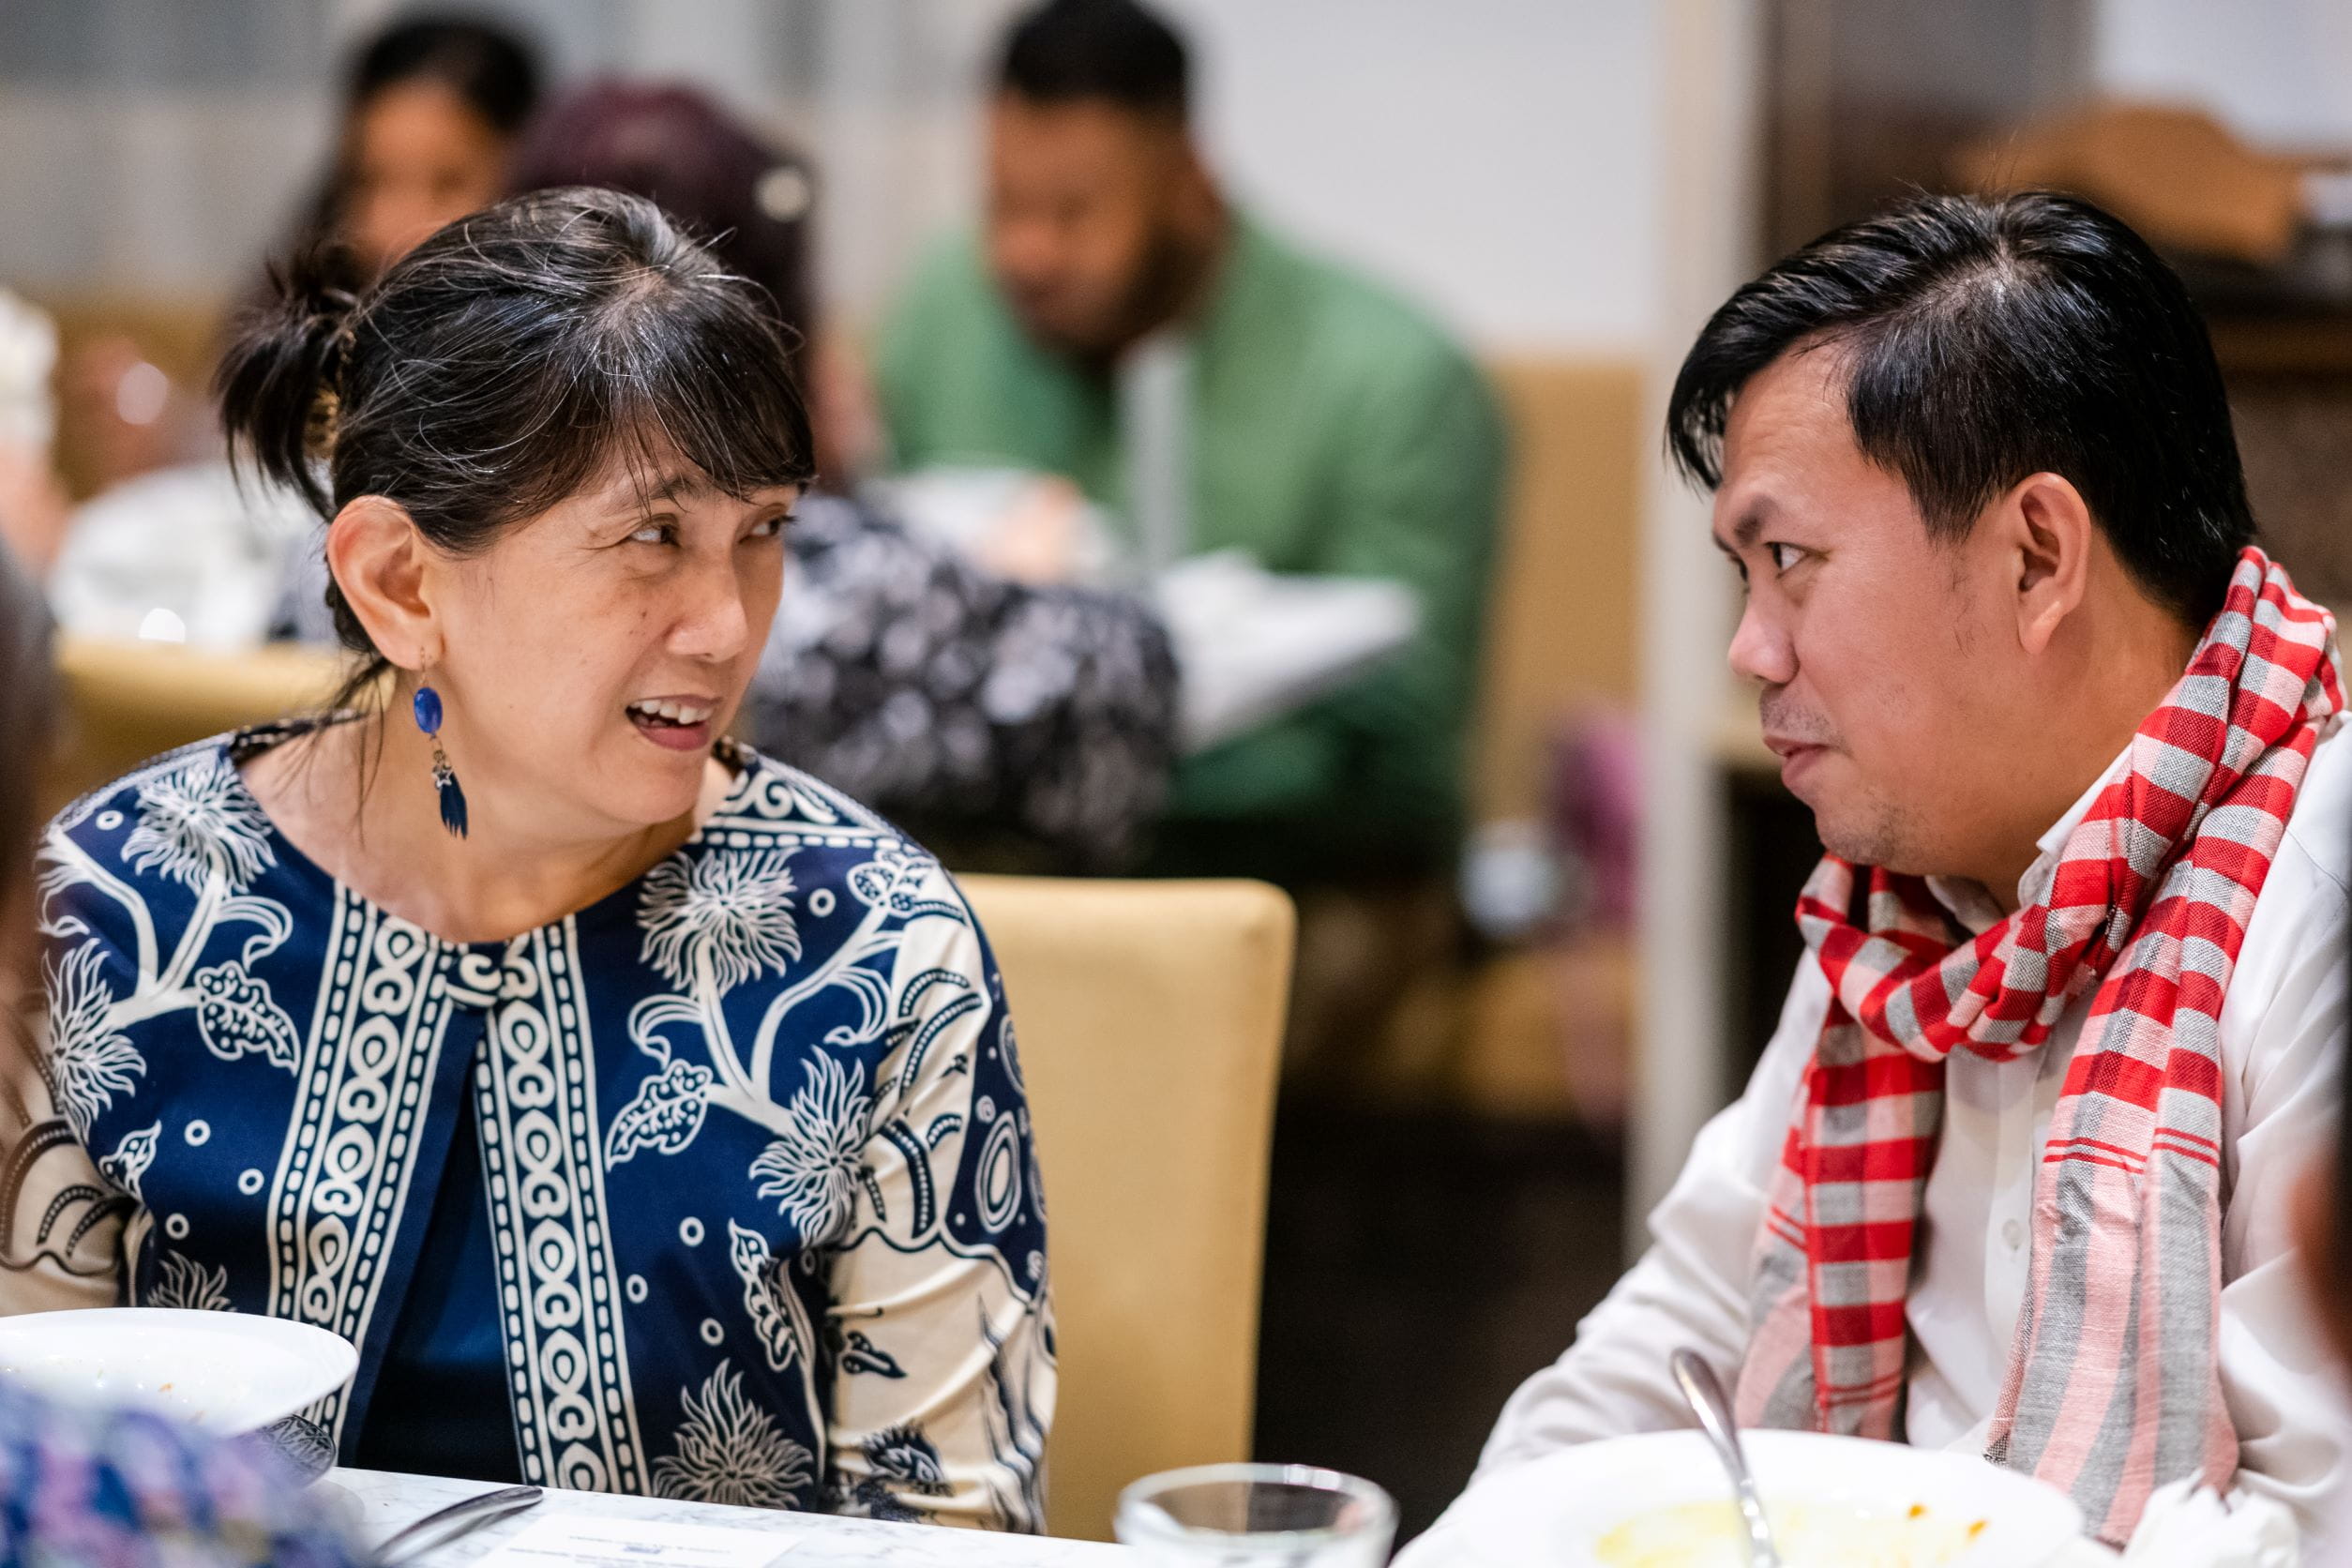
(1117, 321)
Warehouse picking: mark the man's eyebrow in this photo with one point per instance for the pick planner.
(1744, 531)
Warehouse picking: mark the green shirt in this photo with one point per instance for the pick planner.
(1334, 429)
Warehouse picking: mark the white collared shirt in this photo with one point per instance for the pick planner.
(2281, 1024)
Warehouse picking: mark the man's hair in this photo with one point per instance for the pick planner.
(1114, 50)
(1987, 340)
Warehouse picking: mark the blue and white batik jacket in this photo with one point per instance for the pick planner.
(757, 1157)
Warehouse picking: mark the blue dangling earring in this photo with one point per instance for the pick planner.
(428, 708)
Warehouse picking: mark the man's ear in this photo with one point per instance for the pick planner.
(378, 560)
(2045, 531)
(1192, 187)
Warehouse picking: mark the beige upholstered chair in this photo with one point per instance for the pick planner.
(128, 701)
(1150, 1022)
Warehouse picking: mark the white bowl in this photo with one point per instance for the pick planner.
(1558, 1511)
(224, 1371)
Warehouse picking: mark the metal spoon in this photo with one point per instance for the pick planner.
(1704, 1392)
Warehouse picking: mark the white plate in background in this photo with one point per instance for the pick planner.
(1556, 1512)
(223, 1371)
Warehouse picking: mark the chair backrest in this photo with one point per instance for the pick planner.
(1562, 631)
(1149, 1017)
(128, 701)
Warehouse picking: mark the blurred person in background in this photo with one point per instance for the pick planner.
(1003, 721)
(643, 1108)
(1120, 323)
(2071, 1020)
(84, 1486)
(173, 548)
(1027, 727)
(34, 509)
(432, 106)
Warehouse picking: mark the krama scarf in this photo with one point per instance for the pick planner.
(2113, 1387)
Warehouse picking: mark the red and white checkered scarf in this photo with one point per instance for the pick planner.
(2113, 1388)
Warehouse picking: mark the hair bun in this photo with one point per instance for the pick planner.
(277, 383)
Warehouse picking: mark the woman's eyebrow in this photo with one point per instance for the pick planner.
(671, 486)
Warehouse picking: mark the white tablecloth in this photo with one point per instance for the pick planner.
(379, 1503)
(1442, 1548)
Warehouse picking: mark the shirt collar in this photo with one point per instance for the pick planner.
(1972, 904)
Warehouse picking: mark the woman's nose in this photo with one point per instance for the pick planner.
(1760, 650)
(716, 625)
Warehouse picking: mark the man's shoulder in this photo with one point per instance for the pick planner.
(2316, 851)
(1353, 314)
(948, 308)
(945, 304)
(951, 364)
(2300, 919)
(948, 271)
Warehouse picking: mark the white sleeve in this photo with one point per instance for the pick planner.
(1691, 1287)
(2282, 1033)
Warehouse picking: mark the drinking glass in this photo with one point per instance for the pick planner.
(1257, 1516)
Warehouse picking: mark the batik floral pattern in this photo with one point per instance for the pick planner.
(730, 1451)
(719, 919)
(237, 1017)
(92, 1060)
(776, 1311)
(904, 1455)
(198, 825)
(183, 1283)
(126, 1166)
(812, 1170)
(666, 1114)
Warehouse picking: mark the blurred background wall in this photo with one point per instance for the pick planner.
(2277, 71)
(1493, 156)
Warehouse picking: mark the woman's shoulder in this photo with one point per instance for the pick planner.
(775, 800)
(171, 771)
(821, 835)
(177, 830)
(794, 887)
(181, 816)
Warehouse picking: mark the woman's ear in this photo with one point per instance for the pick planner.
(378, 560)
(2049, 531)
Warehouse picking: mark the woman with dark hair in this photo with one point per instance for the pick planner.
(95, 1486)
(644, 1109)
(432, 108)
(1028, 721)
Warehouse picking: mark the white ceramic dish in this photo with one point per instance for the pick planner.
(1592, 1506)
(224, 1371)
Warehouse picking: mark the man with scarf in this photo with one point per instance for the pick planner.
(2012, 1175)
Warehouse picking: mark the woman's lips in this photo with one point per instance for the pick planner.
(674, 737)
(674, 723)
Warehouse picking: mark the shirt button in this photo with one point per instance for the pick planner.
(2013, 1234)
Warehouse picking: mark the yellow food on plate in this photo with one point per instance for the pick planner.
(1816, 1534)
